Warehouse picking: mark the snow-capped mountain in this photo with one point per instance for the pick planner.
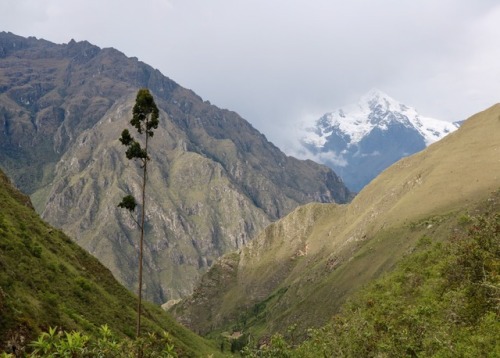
(361, 140)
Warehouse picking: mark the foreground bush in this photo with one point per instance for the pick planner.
(75, 344)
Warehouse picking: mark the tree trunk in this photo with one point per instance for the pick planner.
(141, 243)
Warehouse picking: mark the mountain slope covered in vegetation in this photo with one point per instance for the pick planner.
(442, 300)
(46, 280)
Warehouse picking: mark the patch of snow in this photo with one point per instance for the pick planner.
(375, 109)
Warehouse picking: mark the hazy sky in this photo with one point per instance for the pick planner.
(278, 62)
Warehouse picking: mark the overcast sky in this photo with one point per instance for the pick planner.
(279, 62)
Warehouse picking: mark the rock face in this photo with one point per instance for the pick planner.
(214, 181)
(50, 93)
(361, 140)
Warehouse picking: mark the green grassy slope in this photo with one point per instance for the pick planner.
(442, 300)
(47, 280)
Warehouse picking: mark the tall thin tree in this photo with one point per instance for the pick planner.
(145, 116)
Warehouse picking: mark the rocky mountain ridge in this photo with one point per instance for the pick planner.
(215, 181)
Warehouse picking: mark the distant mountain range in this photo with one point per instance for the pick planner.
(361, 140)
(214, 181)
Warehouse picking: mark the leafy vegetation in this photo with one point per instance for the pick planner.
(46, 280)
(442, 300)
(56, 343)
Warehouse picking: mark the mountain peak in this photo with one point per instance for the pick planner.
(377, 95)
(376, 109)
(380, 103)
(376, 131)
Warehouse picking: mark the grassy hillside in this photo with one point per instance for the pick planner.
(301, 269)
(47, 280)
(442, 300)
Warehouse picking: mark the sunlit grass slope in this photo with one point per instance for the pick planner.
(441, 300)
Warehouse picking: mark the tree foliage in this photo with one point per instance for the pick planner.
(145, 118)
(128, 202)
(145, 113)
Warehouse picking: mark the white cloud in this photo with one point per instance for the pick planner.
(332, 157)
